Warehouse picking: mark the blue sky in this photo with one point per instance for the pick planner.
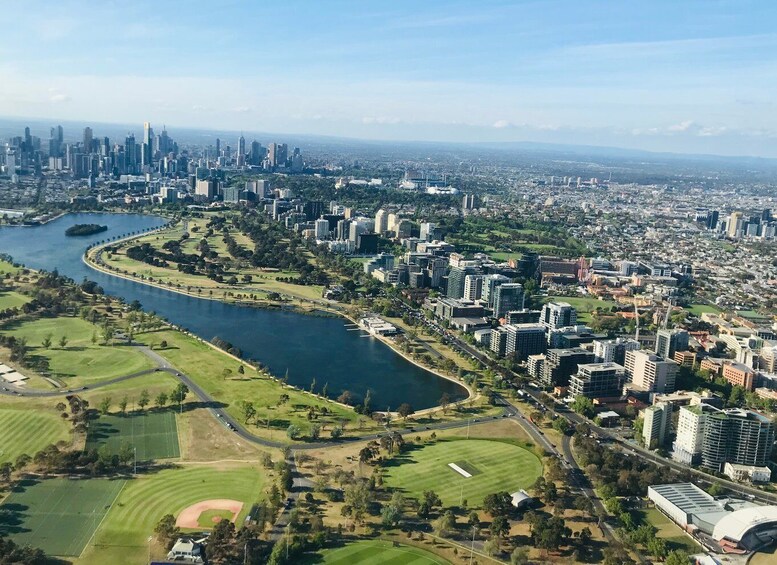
(682, 76)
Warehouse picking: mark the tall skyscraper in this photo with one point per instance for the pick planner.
(381, 222)
(87, 139)
(656, 424)
(734, 224)
(148, 144)
(241, 146)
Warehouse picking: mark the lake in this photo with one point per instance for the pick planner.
(306, 347)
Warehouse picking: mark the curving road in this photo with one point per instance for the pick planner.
(216, 409)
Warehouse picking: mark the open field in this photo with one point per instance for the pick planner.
(8, 268)
(123, 536)
(11, 299)
(206, 365)
(28, 431)
(80, 361)
(583, 305)
(669, 531)
(370, 552)
(153, 434)
(495, 466)
(699, 309)
(57, 515)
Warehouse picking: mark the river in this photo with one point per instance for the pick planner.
(305, 346)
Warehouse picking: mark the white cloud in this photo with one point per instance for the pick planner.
(58, 98)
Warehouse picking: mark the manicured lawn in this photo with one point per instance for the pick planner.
(28, 431)
(6, 267)
(668, 530)
(582, 303)
(123, 536)
(210, 518)
(495, 466)
(153, 434)
(372, 552)
(80, 361)
(206, 365)
(699, 309)
(11, 299)
(57, 515)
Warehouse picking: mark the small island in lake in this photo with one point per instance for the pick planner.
(85, 229)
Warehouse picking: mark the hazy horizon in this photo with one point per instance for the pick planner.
(695, 77)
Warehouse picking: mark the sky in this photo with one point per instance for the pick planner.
(679, 76)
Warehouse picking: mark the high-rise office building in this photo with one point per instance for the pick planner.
(561, 364)
(241, 146)
(490, 282)
(614, 350)
(507, 297)
(668, 342)
(87, 140)
(147, 152)
(456, 280)
(381, 222)
(558, 315)
(649, 372)
(656, 424)
(597, 380)
(322, 229)
(734, 224)
(737, 436)
(427, 229)
(473, 287)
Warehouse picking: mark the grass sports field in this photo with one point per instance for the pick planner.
(371, 552)
(122, 538)
(29, 431)
(153, 433)
(495, 466)
(80, 361)
(57, 515)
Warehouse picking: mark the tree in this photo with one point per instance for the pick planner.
(445, 524)
(293, 431)
(445, 401)
(5, 471)
(561, 425)
(498, 504)
(357, 498)
(345, 398)
(46, 343)
(315, 432)
(519, 556)
(144, 399)
(313, 385)
(221, 541)
(161, 399)
(391, 514)
(405, 410)
(678, 557)
(166, 531)
(499, 527)
(584, 406)
(108, 333)
(179, 393)
(337, 432)
(123, 404)
(105, 405)
(247, 409)
(63, 342)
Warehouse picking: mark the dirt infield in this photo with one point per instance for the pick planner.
(188, 518)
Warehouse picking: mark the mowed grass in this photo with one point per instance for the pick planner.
(153, 434)
(374, 552)
(668, 530)
(29, 431)
(58, 516)
(12, 299)
(145, 499)
(210, 518)
(205, 365)
(500, 467)
(699, 309)
(80, 361)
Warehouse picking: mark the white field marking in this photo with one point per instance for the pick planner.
(459, 470)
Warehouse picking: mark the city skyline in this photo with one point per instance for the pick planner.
(694, 78)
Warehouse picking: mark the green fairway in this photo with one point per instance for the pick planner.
(497, 466)
(145, 499)
(58, 516)
(699, 309)
(80, 361)
(29, 431)
(11, 299)
(375, 552)
(153, 433)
